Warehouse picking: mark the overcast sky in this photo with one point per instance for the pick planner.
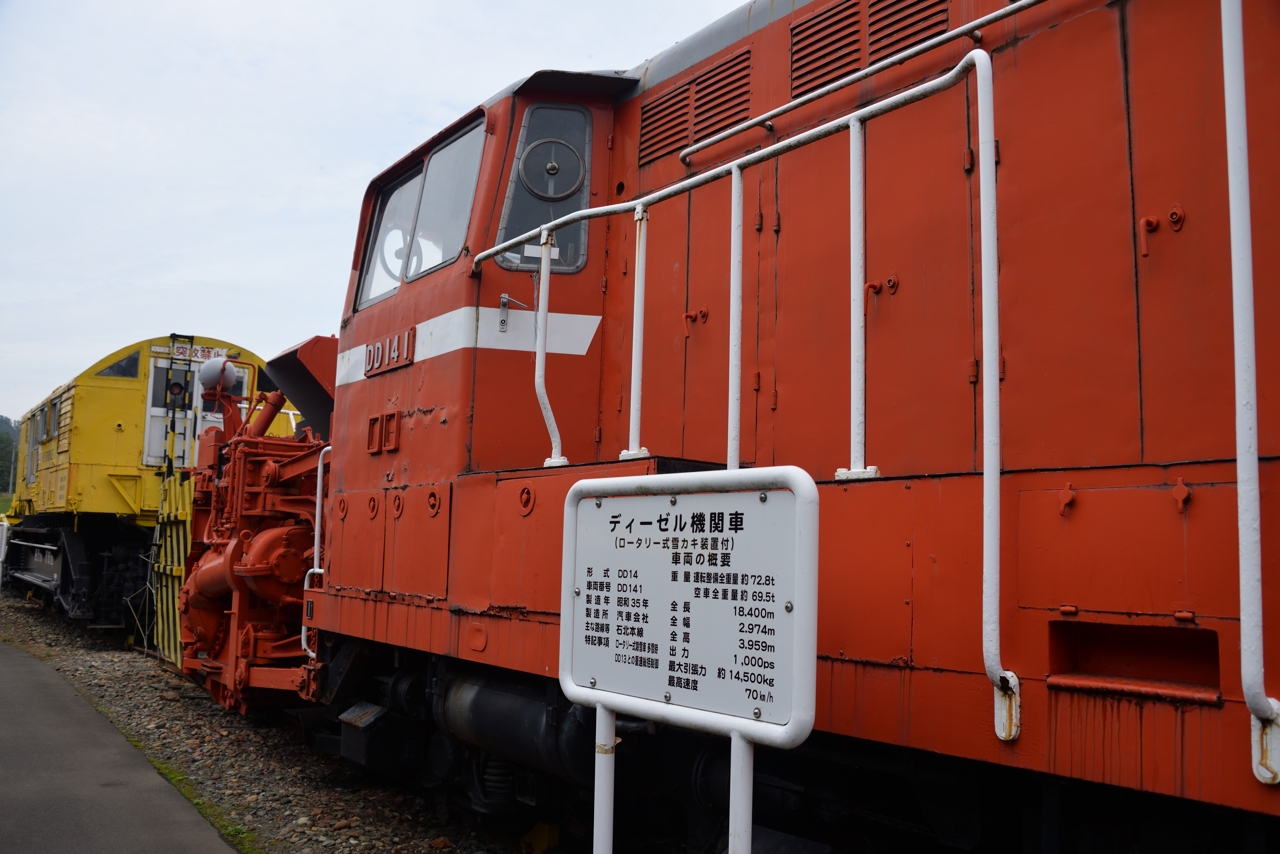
(198, 166)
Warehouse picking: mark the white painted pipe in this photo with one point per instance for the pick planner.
(741, 780)
(733, 453)
(634, 449)
(606, 741)
(316, 568)
(540, 346)
(1004, 681)
(1248, 497)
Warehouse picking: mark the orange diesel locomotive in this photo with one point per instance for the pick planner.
(983, 270)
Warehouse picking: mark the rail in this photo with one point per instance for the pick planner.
(1005, 682)
(765, 120)
(1264, 711)
(315, 569)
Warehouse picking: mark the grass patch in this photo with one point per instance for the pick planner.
(243, 839)
(6, 501)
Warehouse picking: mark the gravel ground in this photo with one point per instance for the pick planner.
(252, 776)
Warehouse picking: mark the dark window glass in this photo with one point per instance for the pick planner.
(126, 367)
(384, 260)
(445, 208)
(551, 177)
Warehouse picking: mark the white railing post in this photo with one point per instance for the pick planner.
(742, 760)
(1263, 709)
(733, 453)
(634, 450)
(858, 468)
(540, 332)
(1008, 693)
(316, 568)
(606, 743)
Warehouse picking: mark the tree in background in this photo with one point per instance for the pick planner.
(8, 440)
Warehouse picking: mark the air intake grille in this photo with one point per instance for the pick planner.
(826, 47)
(722, 97)
(896, 25)
(664, 125)
(717, 99)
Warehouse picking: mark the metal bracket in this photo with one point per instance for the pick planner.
(1266, 750)
(857, 474)
(1009, 709)
(502, 310)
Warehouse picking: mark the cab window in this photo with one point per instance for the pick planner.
(421, 224)
(550, 178)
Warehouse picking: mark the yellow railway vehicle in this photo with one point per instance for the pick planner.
(99, 459)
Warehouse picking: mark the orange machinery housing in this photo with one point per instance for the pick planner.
(435, 616)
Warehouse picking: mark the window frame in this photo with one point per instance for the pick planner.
(533, 264)
(420, 166)
(375, 224)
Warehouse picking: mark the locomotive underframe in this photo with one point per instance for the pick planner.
(92, 567)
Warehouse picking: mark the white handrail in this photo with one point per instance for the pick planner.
(315, 550)
(634, 449)
(766, 119)
(547, 237)
(1008, 710)
(1264, 709)
(732, 450)
(858, 468)
(1005, 682)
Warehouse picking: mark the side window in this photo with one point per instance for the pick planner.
(551, 177)
(421, 224)
(55, 409)
(384, 259)
(126, 367)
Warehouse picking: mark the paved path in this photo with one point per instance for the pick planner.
(70, 782)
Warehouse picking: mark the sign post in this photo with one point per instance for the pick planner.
(691, 599)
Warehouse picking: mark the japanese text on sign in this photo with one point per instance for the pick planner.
(688, 601)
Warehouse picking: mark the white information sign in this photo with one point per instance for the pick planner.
(691, 598)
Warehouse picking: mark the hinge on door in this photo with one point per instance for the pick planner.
(619, 403)
(777, 222)
(973, 371)
(774, 404)
(1002, 366)
(759, 220)
(608, 142)
(997, 152)
(597, 435)
(604, 284)
(756, 385)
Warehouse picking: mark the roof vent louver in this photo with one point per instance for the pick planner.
(895, 25)
(826, 47)
(719, 98)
